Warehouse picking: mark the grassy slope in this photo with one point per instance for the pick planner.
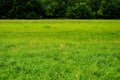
(60, 50)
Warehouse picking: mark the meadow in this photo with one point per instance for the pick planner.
(59, 49)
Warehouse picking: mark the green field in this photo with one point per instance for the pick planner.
(59, 49)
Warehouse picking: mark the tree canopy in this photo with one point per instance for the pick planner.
(75, 9)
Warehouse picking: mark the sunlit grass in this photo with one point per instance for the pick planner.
(59, 49)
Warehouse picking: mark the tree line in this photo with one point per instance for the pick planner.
(47, 9)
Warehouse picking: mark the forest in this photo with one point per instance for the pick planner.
(59, 9)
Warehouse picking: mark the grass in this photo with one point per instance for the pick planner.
(59, 49)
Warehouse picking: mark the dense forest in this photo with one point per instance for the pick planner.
(68, 9)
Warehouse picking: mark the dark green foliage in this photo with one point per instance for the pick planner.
(77, 9)
(110, 9)
(5, 7)
(80, 11)
(26, 9)
(94, 6)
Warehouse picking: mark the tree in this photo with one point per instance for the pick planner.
(95, 6)
(30, 9)
(79, 11)
(49, 8)
(36, 9)
(5, 7)
(110, 9)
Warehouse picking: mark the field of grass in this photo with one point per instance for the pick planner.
(59, 49)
